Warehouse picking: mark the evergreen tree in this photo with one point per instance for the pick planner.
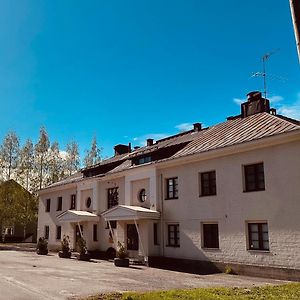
(9, 153)
(93, 156)
(72, 158)
(41, 157)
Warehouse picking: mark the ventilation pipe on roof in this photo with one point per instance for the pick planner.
(197, 127)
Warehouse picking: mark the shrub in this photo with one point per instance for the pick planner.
(81, 244)
(65, 244)
(228, 270)
(121, 252)
(42, 246)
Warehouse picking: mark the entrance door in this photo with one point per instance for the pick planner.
(132, 237)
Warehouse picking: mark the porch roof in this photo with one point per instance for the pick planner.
(75, 216)
(129, 212)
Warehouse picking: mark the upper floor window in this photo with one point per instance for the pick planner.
(73, 201)
(88, 202)
(258, 236)
(173, 235)
(142, 195)
(172, 188)
(48, 205)
(208, 183)
(210, 235)
(254, 177)
(59, 204)
(144, 160)
(112, 197)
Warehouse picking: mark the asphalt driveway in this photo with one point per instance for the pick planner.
(26, 275)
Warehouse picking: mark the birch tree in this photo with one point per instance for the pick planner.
(72, 159)
(55, 164)
(93, 156)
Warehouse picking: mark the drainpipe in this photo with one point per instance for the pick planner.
(162, 232)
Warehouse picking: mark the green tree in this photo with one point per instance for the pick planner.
(72, 160)
(93, 156)
(41, 156)
(9, 154)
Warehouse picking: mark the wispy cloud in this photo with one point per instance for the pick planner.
(238, 101)
(275, 99)
(184, 126)
(290, 110)
(142, 140)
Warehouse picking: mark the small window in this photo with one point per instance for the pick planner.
(210, 236)
(144, 160)
(208, 183)
(173, 235)
(155, 234)
(58, 232)
(95, 232)
(172, 188)
(258, 236)
(254, 177)
(47, 232)
(142, 196)
(112, 197)
(48, 205)
(59, 204)
(88, 202)
(73, 202)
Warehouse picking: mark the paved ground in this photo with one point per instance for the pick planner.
(26, 275)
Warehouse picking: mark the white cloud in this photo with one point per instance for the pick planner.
(275, 99)
(184, 126)
(142, 140)
(238, 101)
(290, 110)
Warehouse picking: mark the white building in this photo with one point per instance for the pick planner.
(228, 194)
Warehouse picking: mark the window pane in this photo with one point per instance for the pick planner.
(266, 245)
(265, 227)
(255, 245)
(254, 227)
(254, 236)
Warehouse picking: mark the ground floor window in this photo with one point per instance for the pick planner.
(58, 232)
(95, 233)
(258, 236)
(46, 233)
(173, 235)
(210, 235)
(155, 234)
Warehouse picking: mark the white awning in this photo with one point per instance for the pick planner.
(129, 212)
(75, 216)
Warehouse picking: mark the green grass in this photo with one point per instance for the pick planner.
(280, 292)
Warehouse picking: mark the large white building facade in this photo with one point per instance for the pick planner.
(224, 195)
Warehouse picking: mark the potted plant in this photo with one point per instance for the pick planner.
(42, 246)
(121, 260)
(65, 248)
(83, 253)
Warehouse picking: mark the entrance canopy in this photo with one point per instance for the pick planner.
(75, 216)
(129, 212)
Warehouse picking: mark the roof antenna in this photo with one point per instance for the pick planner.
(263, 74)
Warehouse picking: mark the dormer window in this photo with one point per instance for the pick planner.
(144, 160)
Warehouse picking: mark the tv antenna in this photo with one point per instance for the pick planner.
(263, 74)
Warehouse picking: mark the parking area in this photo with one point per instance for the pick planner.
(26, 275)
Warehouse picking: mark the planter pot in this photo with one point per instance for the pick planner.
(42, 252)
(84, 256)
(62, 254)
(121, 262)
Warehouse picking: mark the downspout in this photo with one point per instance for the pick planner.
(162, 232)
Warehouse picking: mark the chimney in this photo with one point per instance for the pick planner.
(255, 104)
(149, 142)
(197, 127)
(122, 149)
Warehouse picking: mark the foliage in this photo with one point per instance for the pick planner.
(93, 156)
(65, 244)
(81, 244)
(42, 245)
(228, 270)
(279, 292)
(121, 251)
(72, 160)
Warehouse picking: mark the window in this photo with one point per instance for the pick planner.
(210, 236)
(59, 204)
(144, 160)
(47, 232)
(73, 201)
(172, 188)
(173, 235)
(112, 197)
(58, 232)
(254, 177)
(88, 202)
(258, 236)
(208, 183)
(142, 196)
(95, 232)
(155, 234)
(48, 204)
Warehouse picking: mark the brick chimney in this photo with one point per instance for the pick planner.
(197, 127)
(255, 104)
(149, 142)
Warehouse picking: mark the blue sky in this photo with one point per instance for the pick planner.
(128, 70)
